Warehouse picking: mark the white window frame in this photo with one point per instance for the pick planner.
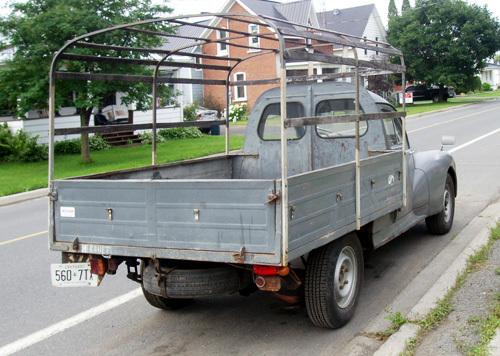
(253, 29)
(236, 97)
(220, 50)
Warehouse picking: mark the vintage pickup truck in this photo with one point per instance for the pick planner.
(326, 174)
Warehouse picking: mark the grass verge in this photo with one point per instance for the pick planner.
(435, 316)
(22, 177)
(420, 108)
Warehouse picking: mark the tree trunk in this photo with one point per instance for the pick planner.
(85, 147)
(441, 92)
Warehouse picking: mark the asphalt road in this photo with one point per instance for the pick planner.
(38, 319)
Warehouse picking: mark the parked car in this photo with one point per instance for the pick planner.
(204, 114)
(424, 92)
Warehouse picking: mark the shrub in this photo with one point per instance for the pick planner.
(74, 146)
(487, 87)
(5, 138)
(147, 138)
(179, 132)
(67, 147)
(20, 147)
(171, 134)
(210, 103)
(238, 112)
(189, 112)
(97, 143)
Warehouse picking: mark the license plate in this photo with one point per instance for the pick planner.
(73, 275)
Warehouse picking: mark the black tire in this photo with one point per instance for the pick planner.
(435, 98)
(184, 283)
(441, 223)
(333, 280)
(205, 130)
(198, 283)
(165, 303)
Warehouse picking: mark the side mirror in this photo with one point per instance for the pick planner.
(447, 141)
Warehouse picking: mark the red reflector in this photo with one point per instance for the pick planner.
(98, 266)
(265, 270)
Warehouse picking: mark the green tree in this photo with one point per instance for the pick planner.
(445, 42)
(36, 29)
(405, 6)
(393, 10)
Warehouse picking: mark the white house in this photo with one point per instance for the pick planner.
(491, 75)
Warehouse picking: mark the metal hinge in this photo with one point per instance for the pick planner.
(53, 195)
(273, 197)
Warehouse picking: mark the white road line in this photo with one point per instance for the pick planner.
(68, 323)
(473, 141)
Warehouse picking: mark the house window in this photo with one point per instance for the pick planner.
(240, 91)
(222, 48)
(366, 51)
(376, 45)
(253, 41)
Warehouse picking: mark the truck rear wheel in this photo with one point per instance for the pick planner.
(165, 303)
(442, 222)
(333, 280)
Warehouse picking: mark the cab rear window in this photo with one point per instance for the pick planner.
(338, 129)
(270, 122)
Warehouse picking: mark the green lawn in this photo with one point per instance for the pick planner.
(426, 106)
(22, 177)
(484, 94)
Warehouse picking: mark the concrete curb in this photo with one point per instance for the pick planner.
(21, 197)
(396, 344)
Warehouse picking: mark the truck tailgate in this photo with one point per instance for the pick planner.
(213, 219)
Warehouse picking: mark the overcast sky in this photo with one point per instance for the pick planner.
(188, 7)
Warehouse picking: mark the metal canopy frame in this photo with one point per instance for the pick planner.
(292, 42)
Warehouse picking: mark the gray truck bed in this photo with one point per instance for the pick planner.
(158, 211)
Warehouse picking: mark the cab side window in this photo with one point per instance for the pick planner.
(393, 129)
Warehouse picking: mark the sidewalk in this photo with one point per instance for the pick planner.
(21, 197)
(459, 333)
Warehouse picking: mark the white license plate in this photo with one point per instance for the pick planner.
(73, 275)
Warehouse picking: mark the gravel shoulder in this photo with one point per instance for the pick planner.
(460, 332)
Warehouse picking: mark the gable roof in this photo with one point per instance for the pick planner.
(351, 21)
(263, 7)
(297, 12)
(276, 9)
(187, 31)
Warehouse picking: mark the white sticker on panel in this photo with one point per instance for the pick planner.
(67, 212)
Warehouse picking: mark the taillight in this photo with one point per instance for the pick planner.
(98, 266)
(270, 270)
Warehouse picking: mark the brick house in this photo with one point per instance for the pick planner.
(363, 22)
